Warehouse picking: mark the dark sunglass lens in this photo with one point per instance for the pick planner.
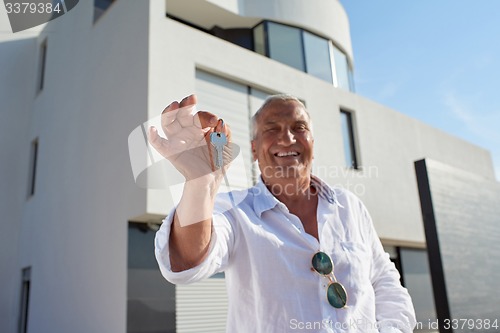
(336, 295)
(322, 263)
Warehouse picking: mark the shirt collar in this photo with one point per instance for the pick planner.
(324, 190)
(264, 200)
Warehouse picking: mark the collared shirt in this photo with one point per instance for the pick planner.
(266, 256)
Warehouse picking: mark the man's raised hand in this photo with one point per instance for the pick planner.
(187, 144)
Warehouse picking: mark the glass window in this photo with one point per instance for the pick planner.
(305, 51)
(342, 70)
(285, 45)
(238, 36)
(416, 274)
(150, 298)
(348, 139)
(33, 162)
(41, 64)
(25, 298)
(259, 42)
(317, 56)
(351, 81)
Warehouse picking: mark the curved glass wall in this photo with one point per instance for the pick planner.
(285, 45)
(259, 40)
(342, 70)
(304, 51)
(317, 54)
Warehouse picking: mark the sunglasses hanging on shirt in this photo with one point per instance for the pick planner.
(335, 292)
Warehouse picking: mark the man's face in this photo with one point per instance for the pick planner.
(283, 144)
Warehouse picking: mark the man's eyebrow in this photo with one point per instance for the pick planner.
(274, 122)
(270, 122)
(304, 123)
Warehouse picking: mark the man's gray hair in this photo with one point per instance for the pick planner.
(272, 99)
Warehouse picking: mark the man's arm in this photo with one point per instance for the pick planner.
(393, 305)
(191, 229)
(188, 148)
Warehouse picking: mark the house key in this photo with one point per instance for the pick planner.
(219, 140)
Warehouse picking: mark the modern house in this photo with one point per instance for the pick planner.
(81, 195)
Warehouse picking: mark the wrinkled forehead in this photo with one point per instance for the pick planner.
(282, 111)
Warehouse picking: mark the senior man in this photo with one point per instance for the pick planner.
(298, 255)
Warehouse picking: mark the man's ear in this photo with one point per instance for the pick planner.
(254, 151)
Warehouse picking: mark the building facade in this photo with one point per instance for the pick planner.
(81, 195)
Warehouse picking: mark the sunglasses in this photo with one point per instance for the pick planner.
(335, 293)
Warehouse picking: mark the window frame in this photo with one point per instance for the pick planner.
(24, 300)
(34, 151)
(352, 138)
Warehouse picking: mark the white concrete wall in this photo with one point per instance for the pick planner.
(17, 91)
(389, 142)
(73, 231)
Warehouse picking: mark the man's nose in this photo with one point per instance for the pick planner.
(287, 137)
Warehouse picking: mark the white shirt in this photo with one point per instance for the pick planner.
(266, 256)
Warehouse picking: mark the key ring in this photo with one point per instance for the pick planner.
(222, 124)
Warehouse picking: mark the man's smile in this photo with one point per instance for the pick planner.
(286, 154)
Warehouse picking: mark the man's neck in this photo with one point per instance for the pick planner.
(301, 199)
(292, 192)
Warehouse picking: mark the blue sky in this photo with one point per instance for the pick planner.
(437, 61)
